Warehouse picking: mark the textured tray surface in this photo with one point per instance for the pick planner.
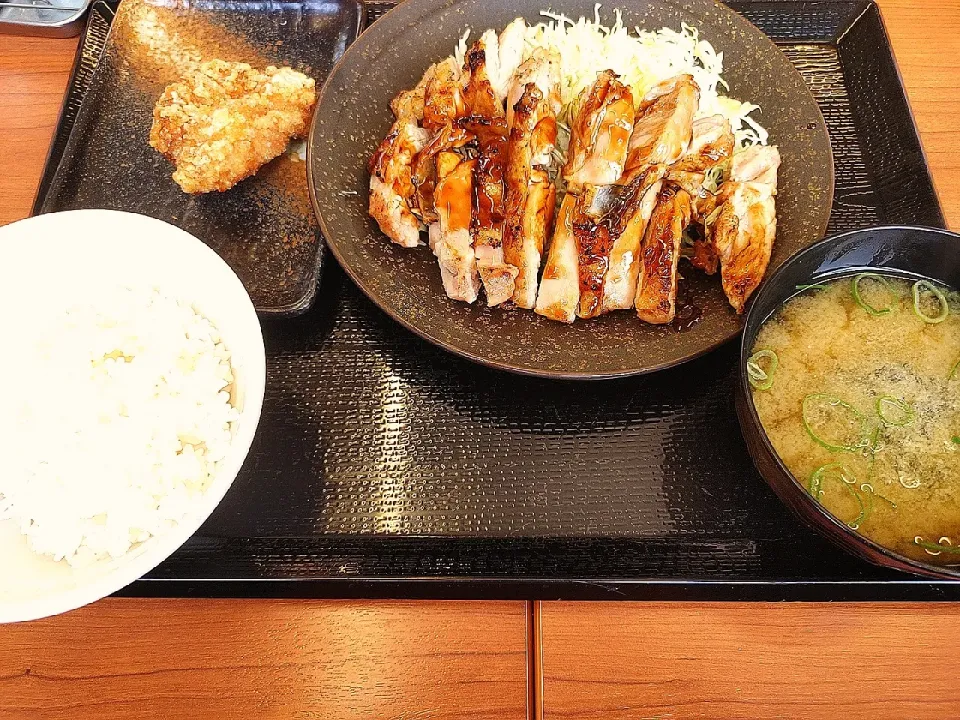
(264, 227)
(382, 458)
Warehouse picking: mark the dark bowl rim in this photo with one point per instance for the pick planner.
(822, 520)
(376, 297)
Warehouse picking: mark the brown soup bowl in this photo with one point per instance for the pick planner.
(910, 252)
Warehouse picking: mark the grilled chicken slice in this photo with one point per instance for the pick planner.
(510, 46)
(478, 94)
(711, 146)
(391, 186)
(443, 98)
(450, 237)
(489, 208)
(487, 121)
(424, 171)
(543, 69)
(742, 234)
(664, 87)
(559, 292)
(594, 243)
(409, 103)
(664, 125)
(620, 283)
(531, 195)
(711, 143)
(757, 164)
(491, 63)
(600, 133)
(657, 284)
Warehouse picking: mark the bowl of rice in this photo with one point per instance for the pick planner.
(133, 378)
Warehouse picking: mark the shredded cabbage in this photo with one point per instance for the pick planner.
(642, 60)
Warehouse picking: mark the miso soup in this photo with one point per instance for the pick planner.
(857, 385)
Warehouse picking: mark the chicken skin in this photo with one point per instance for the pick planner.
(656, 297)
(531, 194)
(600, 133)
(664, 125)
(392, 193)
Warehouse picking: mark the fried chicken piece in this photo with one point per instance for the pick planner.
(223, 122)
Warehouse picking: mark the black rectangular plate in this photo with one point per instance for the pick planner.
(264, 227)
(385, 467)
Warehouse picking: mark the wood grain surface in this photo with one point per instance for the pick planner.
(259, 660)
(33, 76)
(925, 35)
(796, 661)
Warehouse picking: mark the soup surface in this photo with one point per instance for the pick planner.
(857, 384)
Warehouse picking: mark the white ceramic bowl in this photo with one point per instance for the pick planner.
(52, 259)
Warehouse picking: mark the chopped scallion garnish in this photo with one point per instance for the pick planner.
(894, 411)
(808, 405)
(938, 547)
(848, 481)
(954, 369)
(953, 301)
(760, 378)
(919, 288)
(864, 304)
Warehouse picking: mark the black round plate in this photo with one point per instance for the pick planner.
(353, 116)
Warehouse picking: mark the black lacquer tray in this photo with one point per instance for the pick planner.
(264, 228)
(385, 467)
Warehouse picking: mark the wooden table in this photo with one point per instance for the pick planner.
(259, 659)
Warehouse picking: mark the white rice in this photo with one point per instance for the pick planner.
(642, 59)
(118, 418)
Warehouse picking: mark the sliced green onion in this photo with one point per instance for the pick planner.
(955, 439)
(834, 446)
(868, 488)
(953, 301)
(937, 547)
(918, 289)
(866, 306)
(909, 484)
(820, 475)
(907, 413)
(815, 286)
(713, 178)
(762, 379)
(953, 370)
